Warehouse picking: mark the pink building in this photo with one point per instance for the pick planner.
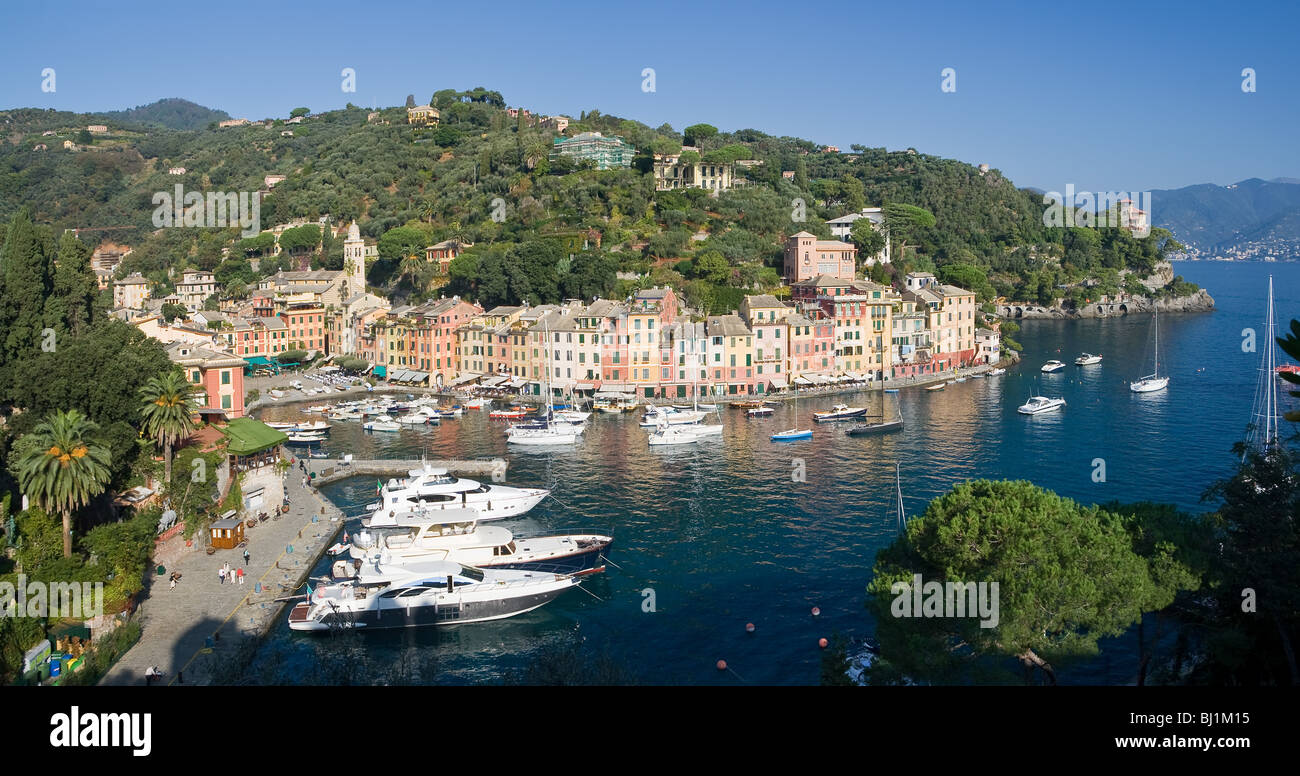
(807, 257)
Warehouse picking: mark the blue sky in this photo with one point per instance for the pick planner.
(1105, 95)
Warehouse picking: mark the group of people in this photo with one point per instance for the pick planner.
(226, 572)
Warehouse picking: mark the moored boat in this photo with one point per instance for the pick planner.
(431, 593)
(839, 412)
(1040, 404)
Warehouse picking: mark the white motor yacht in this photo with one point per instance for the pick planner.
(434, 488)
(1040, 404)
(1087, 359)
(455, 534)
(431, 593)
(1053, 366)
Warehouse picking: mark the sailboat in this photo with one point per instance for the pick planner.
(549, 431)
(1153, 381)
(1262, 433)
(790, 435)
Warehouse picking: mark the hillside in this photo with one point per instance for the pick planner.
(412, 186)
(169, 112)
(1242, 220)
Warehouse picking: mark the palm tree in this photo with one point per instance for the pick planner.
(168, 409)
(62, 468)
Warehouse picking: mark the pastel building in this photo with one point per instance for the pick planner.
(766, 318)
(194, 288)
(731, 355)
(807, 257)
(218, 378)
(131, 292)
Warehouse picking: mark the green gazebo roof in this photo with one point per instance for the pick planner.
(247, 436)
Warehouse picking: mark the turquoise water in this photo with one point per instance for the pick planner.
(723, 537)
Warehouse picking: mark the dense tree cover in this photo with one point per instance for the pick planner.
(1067, 576)
(445, 180)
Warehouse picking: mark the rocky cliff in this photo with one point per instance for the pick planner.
(1108, 306)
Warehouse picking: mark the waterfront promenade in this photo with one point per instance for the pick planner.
(184, 628)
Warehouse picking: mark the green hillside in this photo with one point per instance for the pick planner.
(410, 187)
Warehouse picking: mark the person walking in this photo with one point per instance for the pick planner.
(245, 557)
(221, 574)
(240, 575)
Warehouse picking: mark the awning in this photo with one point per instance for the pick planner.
(491, 381)
(381, 370)
(779, 382)
(801, 380)
(310, 355)
(614, 388)
(518, 382)
(584, 387)
(418, 377)
(247, 436)
(468, 377)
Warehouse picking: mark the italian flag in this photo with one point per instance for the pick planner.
(379, 486)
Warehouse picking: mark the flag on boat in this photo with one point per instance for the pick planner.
(379, 486)
(308, 591)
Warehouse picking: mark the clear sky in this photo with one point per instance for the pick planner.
(1109, 96)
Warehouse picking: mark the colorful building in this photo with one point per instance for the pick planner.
(807, 257)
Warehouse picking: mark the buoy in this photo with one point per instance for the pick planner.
(722, 665)
(749, 627)
(822, 643)
(816, 611)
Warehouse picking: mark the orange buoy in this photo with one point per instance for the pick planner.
(722, 665)
(749, 627)
(822, 643)
(816, 611)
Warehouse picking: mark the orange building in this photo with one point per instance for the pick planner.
(218, 378)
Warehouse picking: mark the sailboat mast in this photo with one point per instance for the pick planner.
(898, 485)
(1270, 410)
(1156, 365)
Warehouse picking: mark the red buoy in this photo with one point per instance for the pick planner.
(822, 643)
(816, 611)
(749, 627)
(722, 665)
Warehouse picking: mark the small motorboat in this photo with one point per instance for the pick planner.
(508, 414)
(998, 371)
(1087, 359)
(1053, 366)
(759, 412)
(672, 435)
(935, 387)
(1040, 404)
(839, 412)
(305, 438)
(317, 454)
(891, 390)
(382, 424)
(478, 404)
(339, 549)
(959, 379)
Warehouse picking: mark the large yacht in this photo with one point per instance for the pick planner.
(434, 488)
(455, 534)
(432, 593)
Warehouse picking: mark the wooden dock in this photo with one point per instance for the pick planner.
(329, 470)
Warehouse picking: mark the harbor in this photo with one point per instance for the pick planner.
(724, 534)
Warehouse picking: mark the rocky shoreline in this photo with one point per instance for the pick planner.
(1110, 307)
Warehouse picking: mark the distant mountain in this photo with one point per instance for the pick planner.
(170, 112)
(1251, 219)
